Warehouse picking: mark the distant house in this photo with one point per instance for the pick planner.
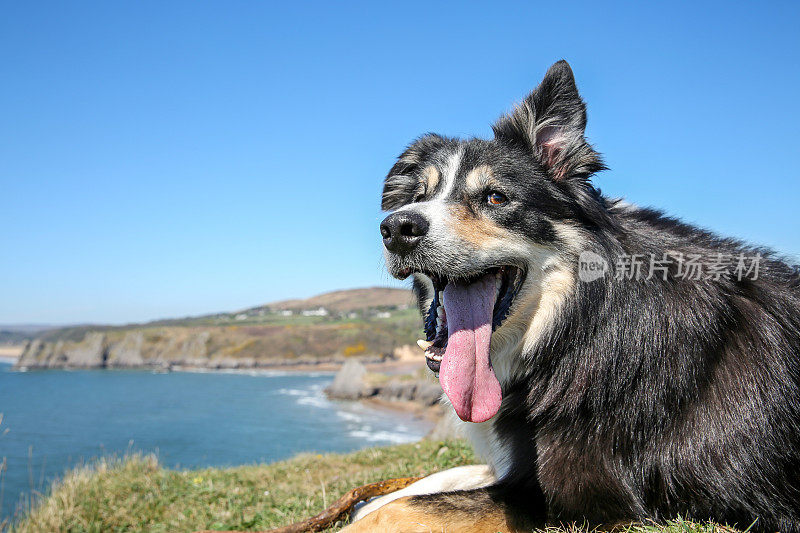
(241, 316)
(383, 314)
(287, 312)
(315, 312)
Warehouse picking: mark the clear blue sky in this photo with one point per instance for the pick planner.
(163, 159)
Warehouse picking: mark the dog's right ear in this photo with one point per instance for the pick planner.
(550, 122)
(402, 181)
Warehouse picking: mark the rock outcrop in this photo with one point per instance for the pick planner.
(91, 353)
(352, 383)
(349, 382)
(128, 352)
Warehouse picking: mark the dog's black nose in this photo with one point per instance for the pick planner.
(402, 231)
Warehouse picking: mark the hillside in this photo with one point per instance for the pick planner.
(350, 300)
(11, 336)
(369, 323)
(19, 333)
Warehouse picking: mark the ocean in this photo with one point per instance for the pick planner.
(56, 419)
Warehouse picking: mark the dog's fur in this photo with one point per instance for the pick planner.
(623, 399)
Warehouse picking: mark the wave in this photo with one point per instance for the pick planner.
(384, 436)
(358, 421)
(315, 401)
(293, 392)
(350, 417)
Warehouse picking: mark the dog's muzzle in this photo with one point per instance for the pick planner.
(402, 231)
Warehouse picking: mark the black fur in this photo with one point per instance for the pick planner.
(646, 399)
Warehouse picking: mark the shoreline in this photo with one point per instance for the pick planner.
(409, 407)
(404, 365)
(389, 367)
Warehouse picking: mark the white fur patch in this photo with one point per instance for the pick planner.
(558, 284)
(436, 209)
(458, 478)
(450, 171)
(550, 282)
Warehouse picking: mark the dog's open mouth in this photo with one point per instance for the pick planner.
(458, 327)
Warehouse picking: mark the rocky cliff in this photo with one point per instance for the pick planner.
(352, 382)
(175, 348)
(367, 324)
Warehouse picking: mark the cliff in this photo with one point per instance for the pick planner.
(300, 332)
(172, 348)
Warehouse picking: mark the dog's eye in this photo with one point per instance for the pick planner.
(496, 198)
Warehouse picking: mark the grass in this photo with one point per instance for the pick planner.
(136, 494)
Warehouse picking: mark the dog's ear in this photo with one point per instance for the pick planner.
(550, 122)
(402, 180)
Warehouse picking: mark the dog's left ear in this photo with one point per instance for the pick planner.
(551, 122)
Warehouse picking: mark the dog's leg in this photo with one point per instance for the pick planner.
(458, 478)
(482, 510)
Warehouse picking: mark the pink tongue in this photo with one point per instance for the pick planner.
(466, 374)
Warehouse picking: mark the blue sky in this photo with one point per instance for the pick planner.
(164, 159)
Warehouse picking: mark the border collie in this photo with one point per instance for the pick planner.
(611, 364)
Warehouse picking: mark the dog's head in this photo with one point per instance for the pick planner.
(481, 224)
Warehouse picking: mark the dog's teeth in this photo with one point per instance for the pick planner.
(439, 323)
(424, 344)
(440, 311)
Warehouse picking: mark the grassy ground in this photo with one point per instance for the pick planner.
(136, 494)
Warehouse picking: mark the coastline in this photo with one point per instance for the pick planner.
(403, 360)
(409, 407)
(404, 364)
(390, 367)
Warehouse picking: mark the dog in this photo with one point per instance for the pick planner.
(610, 363)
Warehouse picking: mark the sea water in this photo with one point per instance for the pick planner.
(55, 419)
